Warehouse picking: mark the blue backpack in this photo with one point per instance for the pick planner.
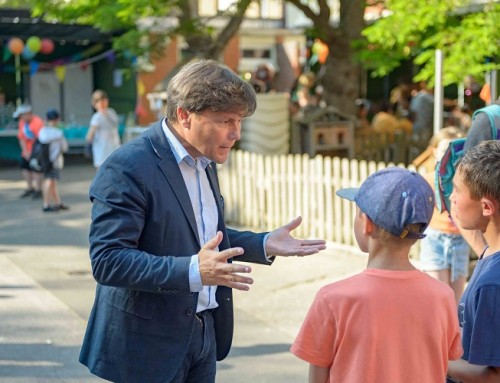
(445, 168)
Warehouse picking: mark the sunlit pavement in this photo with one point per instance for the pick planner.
(46, 292)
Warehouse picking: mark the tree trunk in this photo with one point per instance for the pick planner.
(341, 74)
(341, 78)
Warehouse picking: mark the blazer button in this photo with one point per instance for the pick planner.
(189, 312)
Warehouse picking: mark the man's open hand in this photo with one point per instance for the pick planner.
(215, 270)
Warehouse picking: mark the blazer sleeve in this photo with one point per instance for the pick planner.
(252, 243)
(119, 209)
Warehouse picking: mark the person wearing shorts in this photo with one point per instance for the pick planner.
(29, 126)
(53, 138)
(444, 254)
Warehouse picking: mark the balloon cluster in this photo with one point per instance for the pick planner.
(33, 46)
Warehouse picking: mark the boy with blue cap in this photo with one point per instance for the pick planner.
(392, 322)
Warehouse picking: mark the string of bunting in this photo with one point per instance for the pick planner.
(61, 65)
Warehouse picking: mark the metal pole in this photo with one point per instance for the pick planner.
(493, 86)
(438, 91)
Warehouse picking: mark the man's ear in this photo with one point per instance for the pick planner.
(490, 207)
(183, 117)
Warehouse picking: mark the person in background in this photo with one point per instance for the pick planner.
(159, 246)
(384, 123)
(475, 205)
(56, 145)
(422, 113)
(103, 132)
(29, 127)
(362, 121)
(444, 253)
(392, 322)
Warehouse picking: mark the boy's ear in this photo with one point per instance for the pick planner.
(490, 207)
(368, 225)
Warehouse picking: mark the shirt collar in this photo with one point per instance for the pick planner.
(180, 152)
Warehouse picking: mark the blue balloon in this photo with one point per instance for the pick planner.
(27, 53)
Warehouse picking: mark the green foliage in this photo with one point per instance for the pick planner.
(467, 34)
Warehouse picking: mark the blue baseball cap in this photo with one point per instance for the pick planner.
(394, 198)
(52, 114)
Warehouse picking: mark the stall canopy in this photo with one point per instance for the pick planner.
(68, 38)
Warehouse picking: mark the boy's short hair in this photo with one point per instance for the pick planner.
(480, 170)
(395, 199)
(52, 115)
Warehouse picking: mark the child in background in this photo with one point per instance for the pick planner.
(53, 137)
(476, 207)
(392, 322)
(444, 254)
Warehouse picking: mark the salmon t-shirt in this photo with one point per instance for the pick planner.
(35, 125)
(382, 326)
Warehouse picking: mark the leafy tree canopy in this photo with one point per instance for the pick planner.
(467, 33)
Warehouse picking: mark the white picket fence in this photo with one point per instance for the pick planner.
(262, 192)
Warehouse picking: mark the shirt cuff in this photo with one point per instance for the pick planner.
(195, 284)
(264, 246)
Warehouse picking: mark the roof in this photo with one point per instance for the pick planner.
(19, 23)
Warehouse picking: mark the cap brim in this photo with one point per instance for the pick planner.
(348, 193)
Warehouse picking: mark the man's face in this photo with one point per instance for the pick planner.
(467, 211)
(212, 134)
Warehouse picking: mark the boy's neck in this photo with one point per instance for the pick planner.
(390, 259)
(492, 238)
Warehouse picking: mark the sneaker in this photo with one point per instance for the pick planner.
(50, 209)
(62, 206)
(27, 193)
(36, 194)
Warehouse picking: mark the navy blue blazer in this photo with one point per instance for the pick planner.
(142, 236)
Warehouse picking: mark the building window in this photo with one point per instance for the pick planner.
(207, 8)
(265, 9)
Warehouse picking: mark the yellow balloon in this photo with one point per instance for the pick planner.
(34, 44)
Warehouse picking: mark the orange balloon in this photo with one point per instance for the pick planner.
(16, 45)
(323, 53)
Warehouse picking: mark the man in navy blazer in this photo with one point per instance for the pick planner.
(160, 251)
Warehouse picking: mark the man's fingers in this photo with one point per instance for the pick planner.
(314, 242)
(213, 242)
(293, 224)
(239, 282)
(229, 253)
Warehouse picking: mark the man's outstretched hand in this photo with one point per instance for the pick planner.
(280, 242)
(215, 270)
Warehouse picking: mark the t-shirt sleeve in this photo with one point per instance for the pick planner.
(454, 339)
(94, 120)
(485, 338)
(315, 341)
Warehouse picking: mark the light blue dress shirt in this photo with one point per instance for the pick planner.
(205, 212)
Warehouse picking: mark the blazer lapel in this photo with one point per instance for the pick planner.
(219, 200)
(173, 175)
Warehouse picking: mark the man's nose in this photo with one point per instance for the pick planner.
(235, 133)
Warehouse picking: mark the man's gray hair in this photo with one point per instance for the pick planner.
(209, 85)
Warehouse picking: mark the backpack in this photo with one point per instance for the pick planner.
(40, 157)
(445, 168)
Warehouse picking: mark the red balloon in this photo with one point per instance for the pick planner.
(47, 46)
(16, 45)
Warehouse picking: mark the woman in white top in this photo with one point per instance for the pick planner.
(103, 130)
